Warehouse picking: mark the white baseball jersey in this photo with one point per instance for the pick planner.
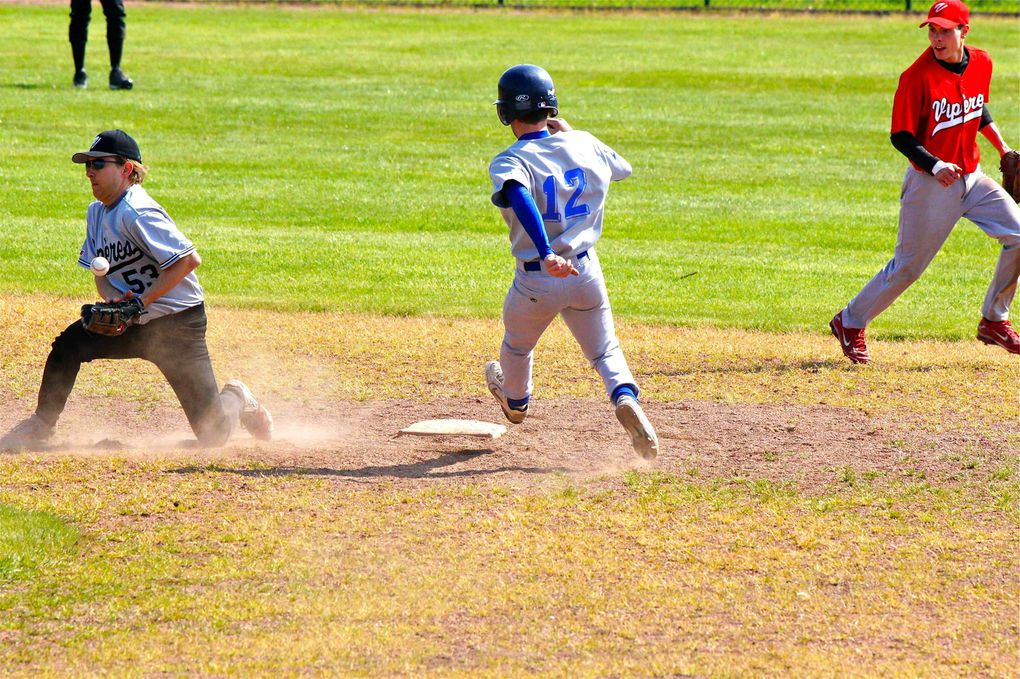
(568, 175)
(140, 240)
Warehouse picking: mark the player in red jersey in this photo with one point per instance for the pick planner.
(940, 106)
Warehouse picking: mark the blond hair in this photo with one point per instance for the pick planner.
(138, 172)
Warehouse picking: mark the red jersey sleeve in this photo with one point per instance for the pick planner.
(908, 104)
(984, 64)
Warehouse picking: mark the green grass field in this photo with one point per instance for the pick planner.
(978, 6)
(806, 518)
(330, 159)
(30, 540)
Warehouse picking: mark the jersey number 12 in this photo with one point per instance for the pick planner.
(571, 178)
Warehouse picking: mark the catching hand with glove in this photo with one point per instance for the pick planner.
(111, 318)
(1009, 163)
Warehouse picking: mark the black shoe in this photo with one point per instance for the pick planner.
(81, 80)
(29, 434)
(119, 81)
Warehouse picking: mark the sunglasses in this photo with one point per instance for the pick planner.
(100, 163)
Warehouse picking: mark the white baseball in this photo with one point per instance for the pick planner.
(100, 266)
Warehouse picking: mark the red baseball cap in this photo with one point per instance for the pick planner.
(948, 14)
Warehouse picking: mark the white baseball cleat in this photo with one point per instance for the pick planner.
(642, 434)
(254, 416)
(494, 380)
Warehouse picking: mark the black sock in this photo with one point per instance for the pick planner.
(78, 52)
(115, 41)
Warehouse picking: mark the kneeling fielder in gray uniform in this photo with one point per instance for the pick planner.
(567, 173)
(152, 264)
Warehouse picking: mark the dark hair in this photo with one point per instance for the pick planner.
(532, 117)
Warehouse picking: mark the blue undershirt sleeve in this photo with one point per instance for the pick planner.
(523, 205)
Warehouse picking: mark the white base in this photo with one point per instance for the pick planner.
(455, 428)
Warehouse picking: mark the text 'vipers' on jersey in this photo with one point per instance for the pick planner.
(140, 240)
(943, 109)
(568, 175)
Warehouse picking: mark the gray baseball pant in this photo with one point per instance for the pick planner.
(928, 213)
(534, 300)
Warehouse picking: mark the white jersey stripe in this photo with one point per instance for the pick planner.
(953, 122)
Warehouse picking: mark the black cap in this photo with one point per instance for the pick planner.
(111, 143)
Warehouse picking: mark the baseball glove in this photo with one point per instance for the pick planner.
(1010, 166)
(111, 318)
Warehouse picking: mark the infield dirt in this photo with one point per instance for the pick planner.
(787, 408)
(810, 447)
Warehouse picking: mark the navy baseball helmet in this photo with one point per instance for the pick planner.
(523, 89)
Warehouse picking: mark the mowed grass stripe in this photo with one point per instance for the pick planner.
(30, 542)
(337, 159)
(637, 5)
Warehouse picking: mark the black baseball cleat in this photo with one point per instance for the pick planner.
(119, 81)
(81, 81)
(29, 434)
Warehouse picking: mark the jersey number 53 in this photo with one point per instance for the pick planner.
(136, 283)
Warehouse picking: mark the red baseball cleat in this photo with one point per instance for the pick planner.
(999, 332)
(851, 340)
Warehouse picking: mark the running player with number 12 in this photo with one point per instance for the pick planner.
(550, 186)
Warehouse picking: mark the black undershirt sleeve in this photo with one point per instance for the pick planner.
(986, 118)
(907, 144)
